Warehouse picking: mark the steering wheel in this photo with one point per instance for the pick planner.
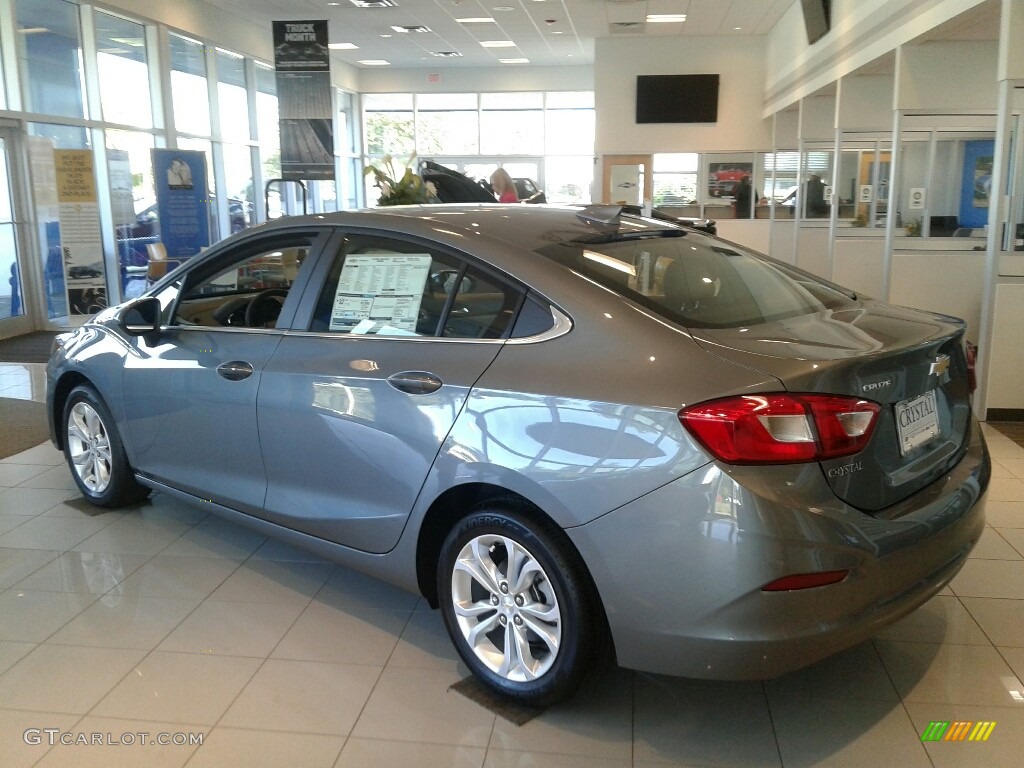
(264, 307)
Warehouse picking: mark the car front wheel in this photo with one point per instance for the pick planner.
(519, 605)
(94, 452)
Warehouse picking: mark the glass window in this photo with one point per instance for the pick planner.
(568, 179)
(44, 138)
(511, 124)
(390, 287)
(389, 127)
(267, 125)
(249, 292)
(569, 131)
(50, 57)
(11, 304)
(700, 283)
(133, 202)
(232, 96)
(675, 178)
(123, 71)
(239, 186)
(447, 124)
(570, 100)
(189, 91)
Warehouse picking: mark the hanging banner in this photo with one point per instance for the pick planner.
(303, 65)
(182, 201)
(81, 246)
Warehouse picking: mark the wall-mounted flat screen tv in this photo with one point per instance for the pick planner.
(817, 18)
(677, 98)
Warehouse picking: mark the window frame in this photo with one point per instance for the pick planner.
(303, 318)
(208, 265)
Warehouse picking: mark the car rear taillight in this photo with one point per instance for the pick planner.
(781, 428)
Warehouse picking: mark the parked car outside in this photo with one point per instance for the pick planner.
(576, 432)
(529, 192)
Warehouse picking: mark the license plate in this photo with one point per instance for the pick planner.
(917, 421)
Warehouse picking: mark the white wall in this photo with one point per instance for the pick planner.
(858, 264)
(951, 76)
(862, 31)
(812, 250)
(509, 78)
(1006, 385)
(619, 60)
(753, 234)
(941, 281)
(865, 102)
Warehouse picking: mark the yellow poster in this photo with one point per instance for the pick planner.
(76, 182)
(81, 243)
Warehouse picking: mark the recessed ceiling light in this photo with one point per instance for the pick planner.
(558, 33)
(477, 20)
(375, 62)
(374, 3)
(387, 35)
(410, 28)
(342, 46)
(514, 61)
(498, 44)
(665, 18)
(503, 8)
(32, 30)
(737, 29)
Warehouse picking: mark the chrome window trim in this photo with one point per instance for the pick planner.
(224, 329)
(562, 325)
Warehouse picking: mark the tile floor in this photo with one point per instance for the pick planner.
(162, 619)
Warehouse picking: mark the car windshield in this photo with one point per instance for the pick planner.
(699, 282)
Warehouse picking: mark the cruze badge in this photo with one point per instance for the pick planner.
(940, 365)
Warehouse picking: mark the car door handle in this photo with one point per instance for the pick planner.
(236, 370)
(415, 382)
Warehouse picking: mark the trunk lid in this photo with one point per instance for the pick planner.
(910, 362)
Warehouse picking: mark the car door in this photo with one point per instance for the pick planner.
(354, 407)
(190, 392)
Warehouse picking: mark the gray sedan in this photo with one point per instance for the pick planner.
(582, 435)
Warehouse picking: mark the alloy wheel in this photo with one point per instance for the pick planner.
(506, 607)
(89, 447)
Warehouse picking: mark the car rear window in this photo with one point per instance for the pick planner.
(699, 282)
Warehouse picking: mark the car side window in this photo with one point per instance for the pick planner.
(247, 291)
(389, 287)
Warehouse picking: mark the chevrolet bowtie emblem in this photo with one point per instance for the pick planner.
(940, 365)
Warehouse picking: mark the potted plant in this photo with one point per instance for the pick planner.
(407, 189)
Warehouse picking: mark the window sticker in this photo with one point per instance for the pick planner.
(380, 293)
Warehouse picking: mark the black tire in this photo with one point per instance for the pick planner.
(104, 477)
(581, 626)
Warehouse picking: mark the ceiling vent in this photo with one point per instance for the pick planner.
(626, 27)
(411, 28)
(374, 3)
(446, 54)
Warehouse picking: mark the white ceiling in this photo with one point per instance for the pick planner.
(546, 32)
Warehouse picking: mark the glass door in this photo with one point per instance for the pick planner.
(15, 308)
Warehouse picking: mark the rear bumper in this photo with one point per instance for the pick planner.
(680, 570)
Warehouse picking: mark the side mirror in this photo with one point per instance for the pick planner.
(141, 317)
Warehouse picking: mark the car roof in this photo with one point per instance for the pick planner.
(529, 227)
